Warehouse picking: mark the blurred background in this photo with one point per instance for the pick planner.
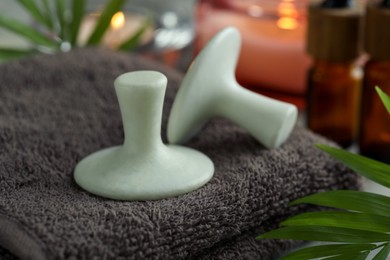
(273, 33)
(172, 24)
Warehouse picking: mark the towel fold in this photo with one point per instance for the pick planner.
(55, 110)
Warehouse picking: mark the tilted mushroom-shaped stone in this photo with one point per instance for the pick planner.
(143, 168)
(210, 89)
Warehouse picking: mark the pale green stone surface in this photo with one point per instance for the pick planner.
(210, 89)
(143, 168)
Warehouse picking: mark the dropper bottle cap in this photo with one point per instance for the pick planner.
(336, 4)
(386, 4)
(377, 26)
(334, 31)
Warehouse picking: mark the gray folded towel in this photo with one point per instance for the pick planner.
(54, 110)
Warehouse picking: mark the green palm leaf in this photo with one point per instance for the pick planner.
(60, 10)
(327, 234)
(351, 200)
(354, 220)
(33, 9)
(383, 253)
(46, 5)
(377, 171)
(47, 11)
(26, 31)
(329, 250)
(360, 256)
(136, 37)
(78, 10)
(103, 23)
(385, 98)
(7, 54)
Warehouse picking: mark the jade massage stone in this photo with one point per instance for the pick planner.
(143, 168)
(210, 89)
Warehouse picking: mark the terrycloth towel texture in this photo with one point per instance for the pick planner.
(54, 110)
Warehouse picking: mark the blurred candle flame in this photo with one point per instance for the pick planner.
(288, 15)
(118, 20)
(287, 23)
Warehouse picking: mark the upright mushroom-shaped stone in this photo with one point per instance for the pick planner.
(210, 89)
(143, 168)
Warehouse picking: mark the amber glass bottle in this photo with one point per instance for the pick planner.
(374, 139)
(334, 92)
(334, 80)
